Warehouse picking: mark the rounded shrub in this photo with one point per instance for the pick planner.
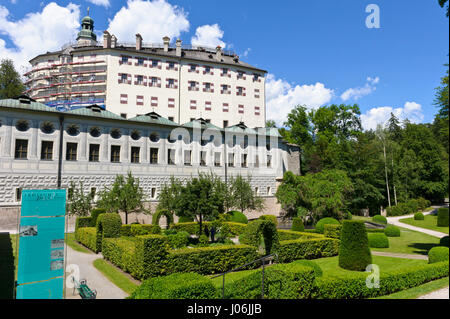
(178, 240)
(272, 218)
(392, 231)
(378, 240)
(185, 219)
(309, 263)
(95, 213)
(203, 241)
(354, 251)
(444, 241)
(325, 221)
(349, 216)
(419, 216)
(442, 220)
(437, 254)
(297, 224)
(237, 217)
(379, 219)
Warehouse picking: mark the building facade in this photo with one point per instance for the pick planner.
(42, 148)
(179, 82)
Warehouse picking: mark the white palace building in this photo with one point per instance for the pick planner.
(94, 110)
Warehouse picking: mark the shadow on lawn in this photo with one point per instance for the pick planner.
(422, 248)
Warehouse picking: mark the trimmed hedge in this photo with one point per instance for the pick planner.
(419, 216)
(442, 220)
(324, 221)
(437, 254)
(209, 260)
(378, 240)
(87, 236)
(444, 241)
(261, 228)
(95, 213)
(284, 234)
(379, 219)
(108, 226)
(392, 231)
(121, 252)
(297, 224)
(291, 250)
(185, 219)
(309, 263)
(272, 218)
(375, 230)
(176, 286)
(280, 282)
(354, 252)
(409, 207)
(332, 231)
(178, 240)
(353, 286)
(236, 217)
(192, 228)
(83, 222)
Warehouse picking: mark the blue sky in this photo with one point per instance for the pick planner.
(316, 52)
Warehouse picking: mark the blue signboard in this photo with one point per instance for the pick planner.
(40, 272)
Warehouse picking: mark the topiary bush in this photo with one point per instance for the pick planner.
(419, 216)
(203, 241)
(442, 220)
(437, 254)
(311, 248)
(94, 215)
(444, 241)
(392, 231)
(176, 286)
(178, 240)
(378, 240)
(379, 219)
(81, 222)
(354, 251)
(297, 224)
(237, 217)
(259, 231)
(185, 219)
(162, 212)
(332, 231)
(309, 263)
(108, 226)
(272, 218)
(325, 221)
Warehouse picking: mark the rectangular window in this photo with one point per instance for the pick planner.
(123, 98)
(154, 155)
(124, 115)
(171, 65)
(207, 70)
(93, 192)
(224, 72)
(202, 158)
(269, 160)
(19, 194)
(135, 154)
(115, 153)
(207, 106)
(244, 160)
(192, 68)
(139, 100)
(171, 104)
(170, 83)
(225, 107)
(140, 62)
(124, 60)
(153, 192)
(171, 118)
(154, 102)
(21, 149)
(171, 157)
(139, 80)
(193, 104)
(71, 151)
(94, 152)
(230, 160)
(47, 151)
(155, 63)
(241, 109)
(217, 159)
(187, 158)
(241, 75)
(225, 124)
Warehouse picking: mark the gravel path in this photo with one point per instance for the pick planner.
(395, 255)
(95, 279)
(438, 294)
(395, 221)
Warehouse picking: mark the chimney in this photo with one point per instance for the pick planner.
(166, 41)
(219, 53)
(178, 50)
(138, 42)
(113, 41)
(106, 40)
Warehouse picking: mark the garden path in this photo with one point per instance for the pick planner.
(395, 255)
(438, 294)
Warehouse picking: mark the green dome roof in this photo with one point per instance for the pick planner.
(87, 19)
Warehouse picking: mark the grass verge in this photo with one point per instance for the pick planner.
(115, 276)
(72, 243)
(418, 291)
(430, 222)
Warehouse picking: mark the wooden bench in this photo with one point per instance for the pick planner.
(83, 290)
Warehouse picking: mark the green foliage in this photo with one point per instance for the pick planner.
(353, 286)
(193, 228)
(442, 220)
(437, 254)
(125, 195)
(11, 85)
(444, 241)
(284, 234)
(349, 216)
(237, 217)
(178, 240)
(379, 219)
(79, 203)
(297, 224)
(121, 252)
(324, 221)
(261, 229)
(87, 236)
(280, 282)
(168, 196)
(83, 222)
(291, 250)
(176, 286)
(184, 219)
(242, 196)
(392, 231)
(332, 231)
(309, 263)
(272, 218)
(162, 212)
(151, 254)
(95, 213)
(378, 240)
(210, 260)
(203, 241)
(108, 226)
(354, 252)
(419, 216)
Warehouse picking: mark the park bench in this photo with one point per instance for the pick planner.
(84, 291)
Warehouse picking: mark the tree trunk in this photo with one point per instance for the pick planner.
(385, 170)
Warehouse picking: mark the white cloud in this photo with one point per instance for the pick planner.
(151, 19)
(380, 115)
(359, 92)
(282, 97)
(209, 36)
(38, 32)
(246, 52)
(104, 3)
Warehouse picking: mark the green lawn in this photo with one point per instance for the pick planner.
(410, 242)
(429, 222)
(330, 265)
(72, 243)
(116, 276)
(418, 291)
(231, 277)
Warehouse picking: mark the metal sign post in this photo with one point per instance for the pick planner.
(41, 245)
